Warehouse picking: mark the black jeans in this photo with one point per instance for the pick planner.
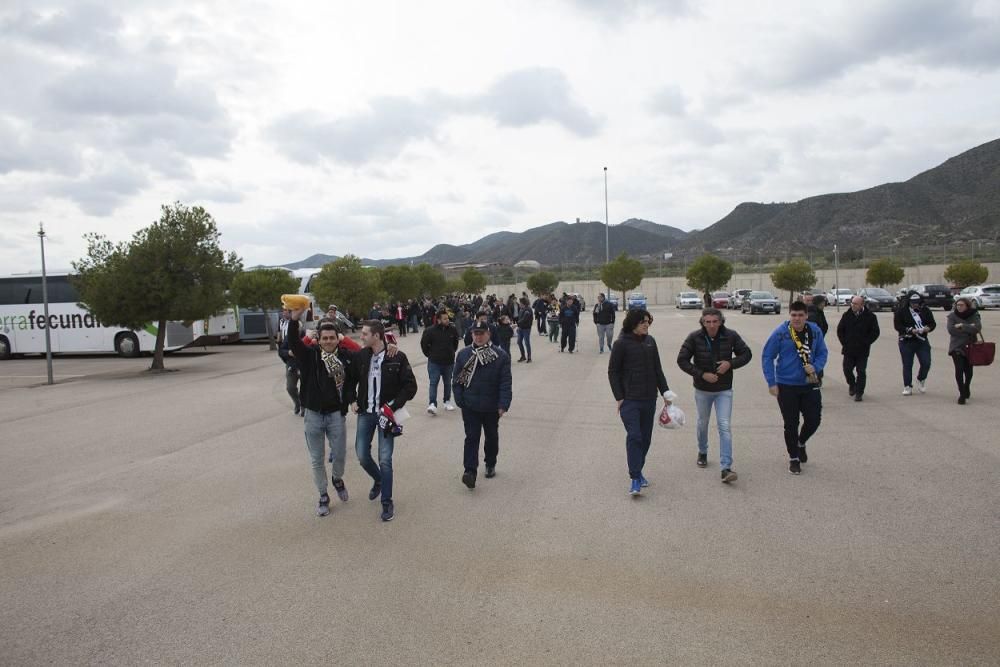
(292, 384)
(568, 334)
(489, 424)
(638, 418)
(795, 400)
(963, 374)
(859, 362)
(540, 321)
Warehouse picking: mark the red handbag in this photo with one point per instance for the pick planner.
(980, 352)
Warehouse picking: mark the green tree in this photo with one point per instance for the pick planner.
(454, 286)
(431, 281)
(473, 281)
(965, 273)
(399, 282)
(793, 276)
(262, 289)
(542, 283)
(172, 270)
(348, 284)
(707, 274)
(622, 274)
(883, 271)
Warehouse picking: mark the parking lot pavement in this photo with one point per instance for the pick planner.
(170, 518)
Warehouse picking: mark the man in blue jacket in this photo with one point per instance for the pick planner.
(793, 357)
(482, 389)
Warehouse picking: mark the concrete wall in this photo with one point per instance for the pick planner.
(663, 291)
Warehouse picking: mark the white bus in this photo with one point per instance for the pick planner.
(72, 329)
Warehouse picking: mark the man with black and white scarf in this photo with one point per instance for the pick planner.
(482, 389)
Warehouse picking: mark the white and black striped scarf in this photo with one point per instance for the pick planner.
(481, 356)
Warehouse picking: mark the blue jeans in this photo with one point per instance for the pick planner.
(381, 473)
(605, 332)
(723, 402)
(524, 341)
(638, 418)
(438, 372)
(921, 349)
(319, 427)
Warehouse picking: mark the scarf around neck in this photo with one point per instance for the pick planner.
(481, 356)
(334, 369)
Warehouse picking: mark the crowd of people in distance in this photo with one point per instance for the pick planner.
(467, 342)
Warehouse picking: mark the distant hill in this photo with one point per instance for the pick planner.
(958, 200)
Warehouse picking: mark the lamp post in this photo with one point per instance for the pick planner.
(45, 305)
(607, 234)
(760, 272)
(836, 277)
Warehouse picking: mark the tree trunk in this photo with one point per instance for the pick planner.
(272, 345)
(161, 336)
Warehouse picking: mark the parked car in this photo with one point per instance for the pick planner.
(736, 300)
(613, 300)
(985, 296)
(805, 296)
(721, 299)
(877, 298)
(839, 297)
(636, 300)
(760, 302)
(934, 294)
(687, 300)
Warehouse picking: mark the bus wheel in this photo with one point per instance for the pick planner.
(4, 348)
(127, 345)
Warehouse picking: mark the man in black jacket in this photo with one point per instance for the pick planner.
(439, 344)
(569, 317)
(857, 331)
(710, 355)
(541, 308)
(291, 364)
(328, 384)
(382, 382)
(913, 322)
(636, 377)
(604, 318)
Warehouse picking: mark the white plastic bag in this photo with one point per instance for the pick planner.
(672, 417)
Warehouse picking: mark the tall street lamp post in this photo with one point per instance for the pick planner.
(45, 304)
(607, 234)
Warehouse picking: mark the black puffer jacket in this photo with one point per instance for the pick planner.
(634, 370)
(699, 355)
(857, 332)
(439, 343)
(398, 383)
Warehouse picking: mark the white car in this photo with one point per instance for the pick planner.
(985, 296)
(688, 300)
(839, 297)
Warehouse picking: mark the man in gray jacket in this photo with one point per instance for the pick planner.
(710, 355)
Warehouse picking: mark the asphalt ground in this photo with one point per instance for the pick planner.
(170, 519)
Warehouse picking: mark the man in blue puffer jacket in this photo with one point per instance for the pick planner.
(482, 389)
(793, 358)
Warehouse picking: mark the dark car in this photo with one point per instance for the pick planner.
(877, 298)
(935, 295)
(760, 302)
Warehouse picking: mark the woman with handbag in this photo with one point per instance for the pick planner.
(964, 324)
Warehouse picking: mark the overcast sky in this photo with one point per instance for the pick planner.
(383, 128)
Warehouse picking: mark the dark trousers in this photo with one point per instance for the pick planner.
(568, 334)
(488, 423)
(638, 418)
(795, 400)
(524, 341)
(292, 384)
(921, 349)
(858, 362)
(540, 321)
(963, 374)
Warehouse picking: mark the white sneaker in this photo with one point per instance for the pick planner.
(922, 386)
(432, 409)
(907, 391)
(449, 406)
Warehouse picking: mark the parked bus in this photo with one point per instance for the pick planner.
(72, 329)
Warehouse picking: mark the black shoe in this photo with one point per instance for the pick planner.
(296, 409)
(728, 476)
(850, 391)
(857, 398)
(528, 360)
(803, 457)
(341, 489)
(469, 478)
(961, 400)
(794, 467)
(520, 360)
(376, 491)
(491, 471)
(702, 460)
(387, 510)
